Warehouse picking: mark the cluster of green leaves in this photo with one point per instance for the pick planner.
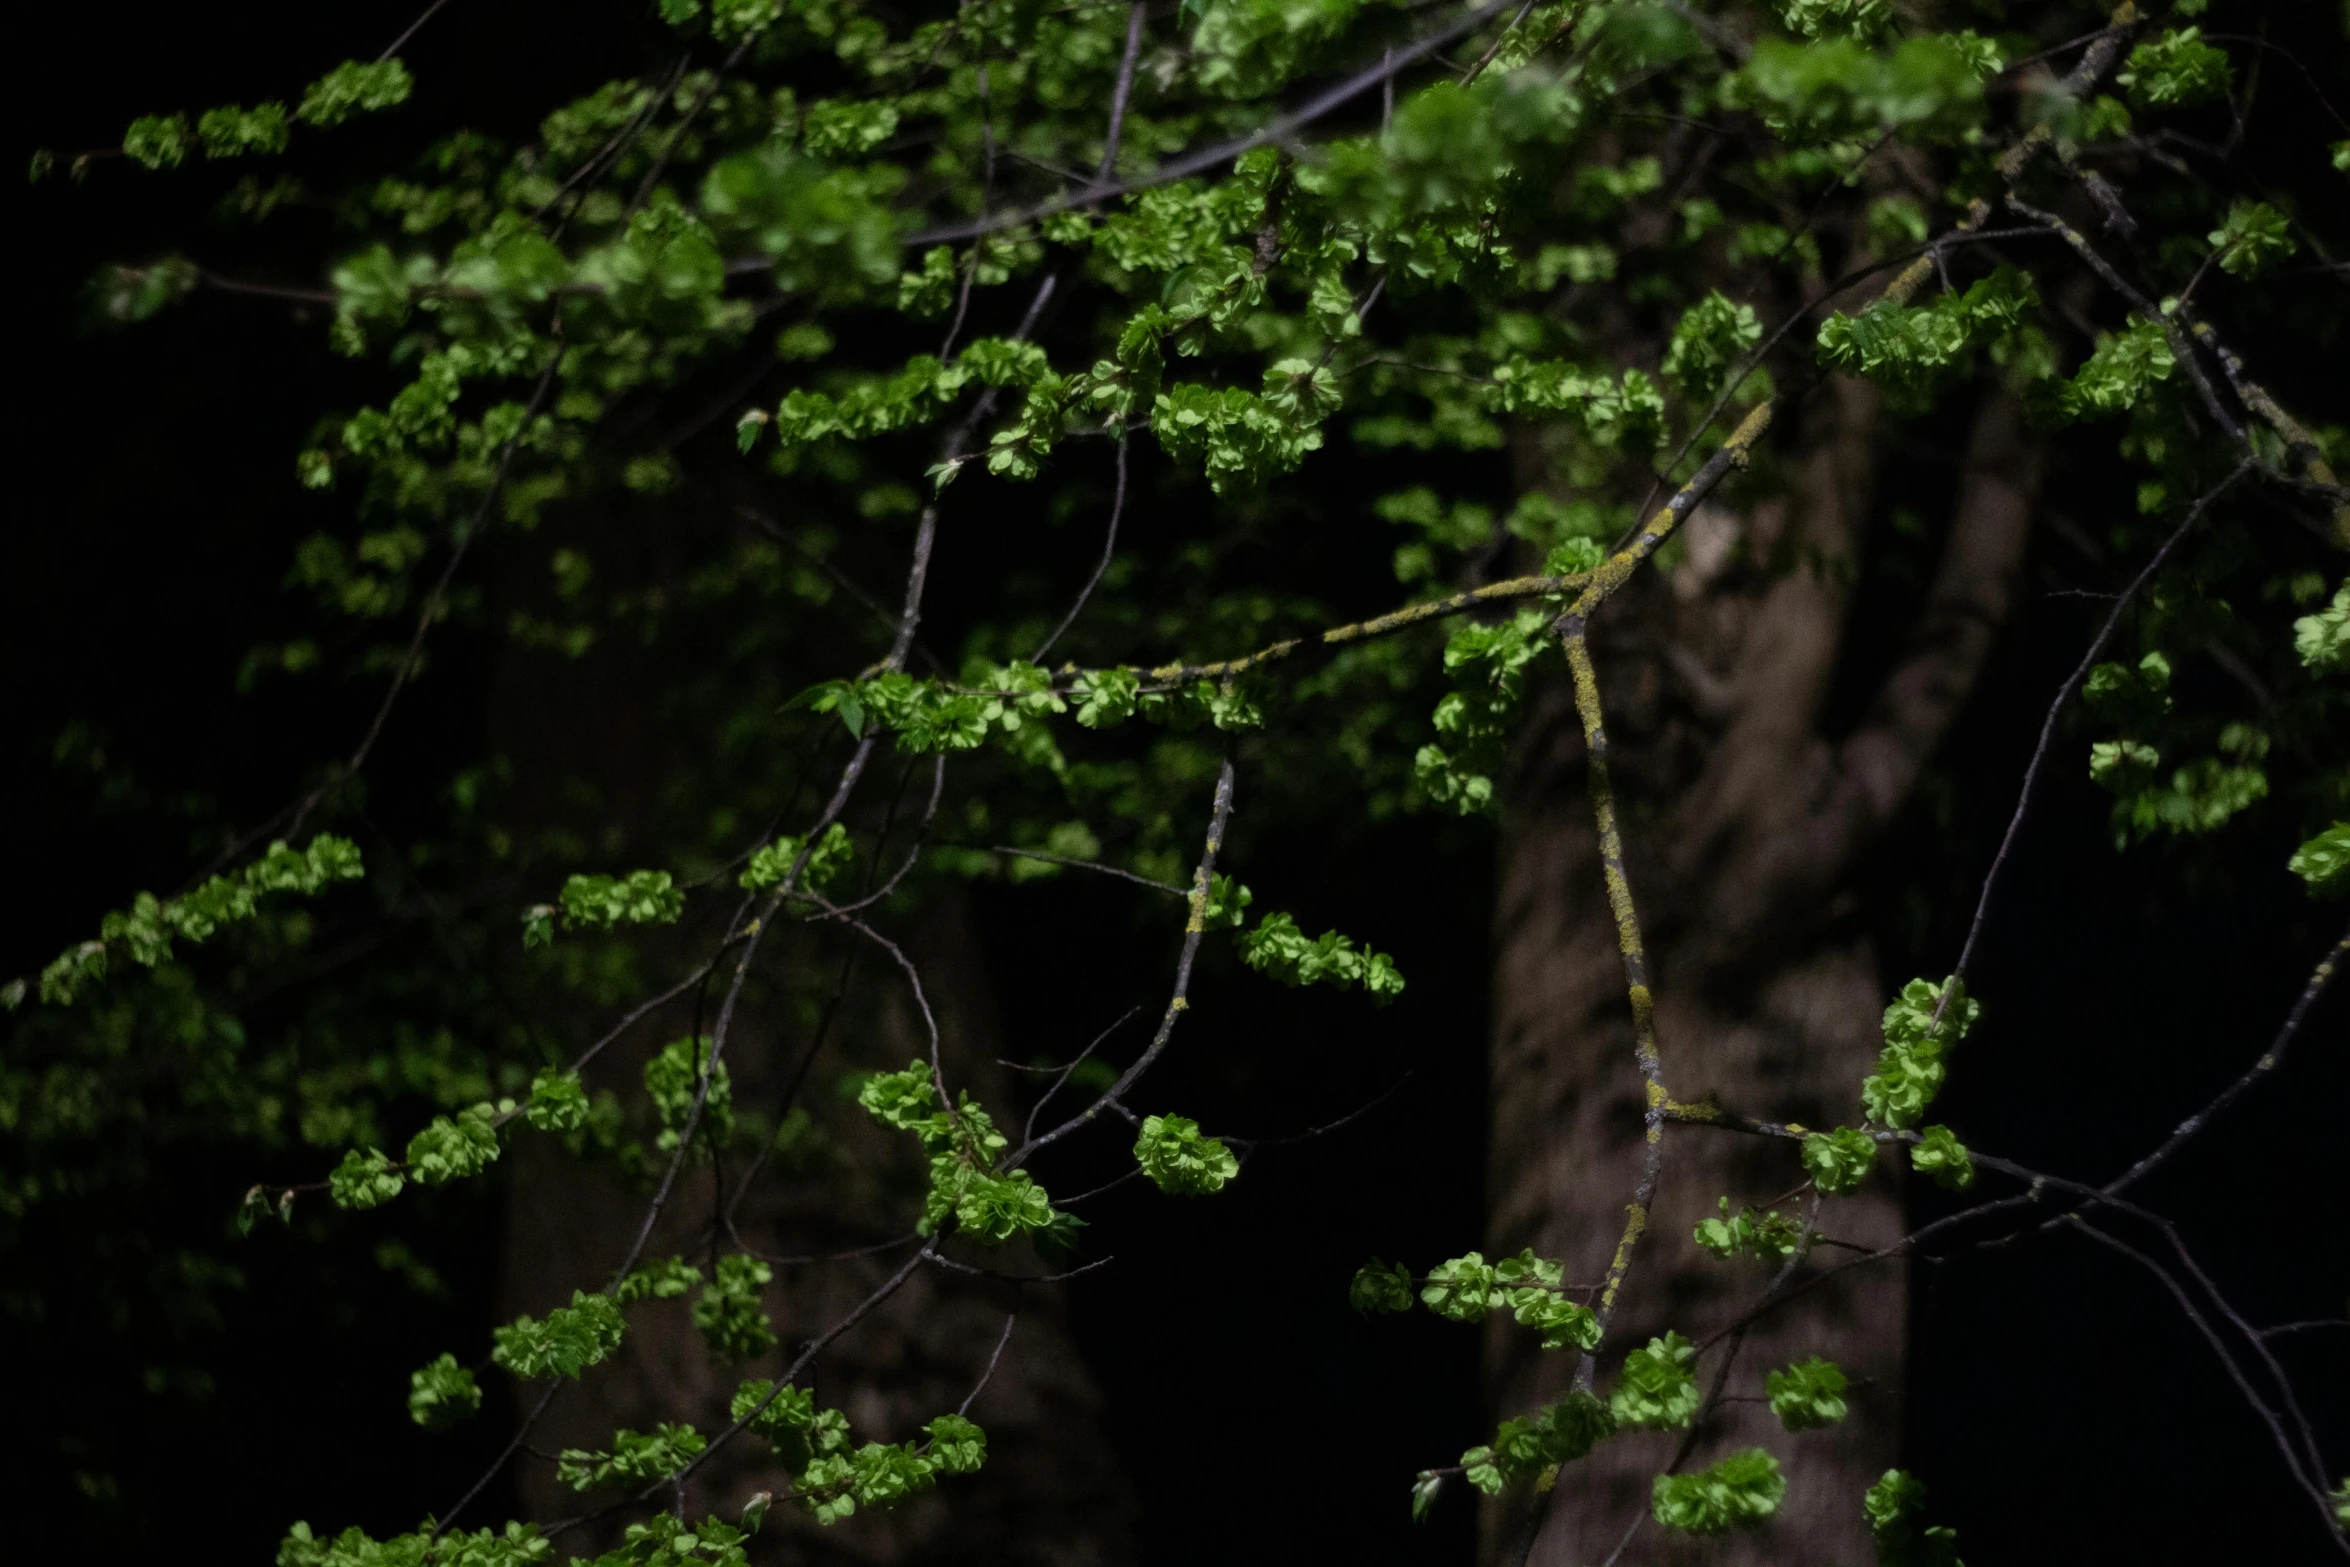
(831, 1477)
(1465, 1288)
(962, 1143)
(144, 932)
(1769, 1237)
(1740, 1492)
(1179, 1159)
(634, 1458)
(1894, 1506)
(1911, 348)
(1278, 948)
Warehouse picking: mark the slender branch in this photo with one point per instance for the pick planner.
(2064, 694)
(1219, 817)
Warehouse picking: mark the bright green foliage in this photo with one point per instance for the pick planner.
(558, 1102)
(2130, 697)
(1807, 1395)
(666, 1540)
(1380, 1287)
(1862, 19)
(453, 1147)
(638, 898)
(1939, 1155)
(2122, 369)
(1460, 1290)
(230, 131)
(354, 88)
(771, 863)
(2254, 237)
(2323, 639)
(729, 1313)
(1911, 1069)
(145, 931)
(635, 1458)
(565, 1342)
(1740, 1492)
(1894, 1507)
(364, 1180)
(791, 1423)
(1558, 1433)
(2324, 861)
(1534, 1290)
(673, 1079)
(442, 1394)
(1658, 1386)
(1477, 280)
(517, 1545)
(1767, 1237)
(2174, 70)
(962, 1145)
(663, 1279)
(159, 141)
(1178, 1159)
(957, 1447)
(1908, 346)
(1277, 947)
(1838, 1161)
(1710, 337)
(1931, 85)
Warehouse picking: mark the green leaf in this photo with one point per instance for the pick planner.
(1740, 1492)
(673, 1078)
(2323, 639)
(352, 88)
(635, 1458)
(1178, 1159)
(1711, 336)
(1768, 1237)
(957, 1447)
(1279, 949)
(2324, 862)
(1910, 1069)
(231, 132)
(565, 1342)
(452, 1148)
(638, 898)
(1807, 1395)
(729, 1313)
(2175, 70)
(2253, 237)
(1657, 1388)
(770, 863)
(1380, 1287)
(558, 1102)
(1838, 1161)
(1460, 1290)
(663, 1279)
(1893, 1507)
(442, 1394)
(1940, 1155)
(364, 1180)
(157, 141)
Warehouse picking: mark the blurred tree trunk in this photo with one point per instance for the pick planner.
(1744, 823)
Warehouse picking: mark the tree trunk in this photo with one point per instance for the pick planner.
(1743, 825)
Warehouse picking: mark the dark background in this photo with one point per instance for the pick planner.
(2060, 1404)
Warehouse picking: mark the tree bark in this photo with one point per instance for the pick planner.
(1744, 825)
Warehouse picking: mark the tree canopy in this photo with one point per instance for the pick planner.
(1100, 446)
